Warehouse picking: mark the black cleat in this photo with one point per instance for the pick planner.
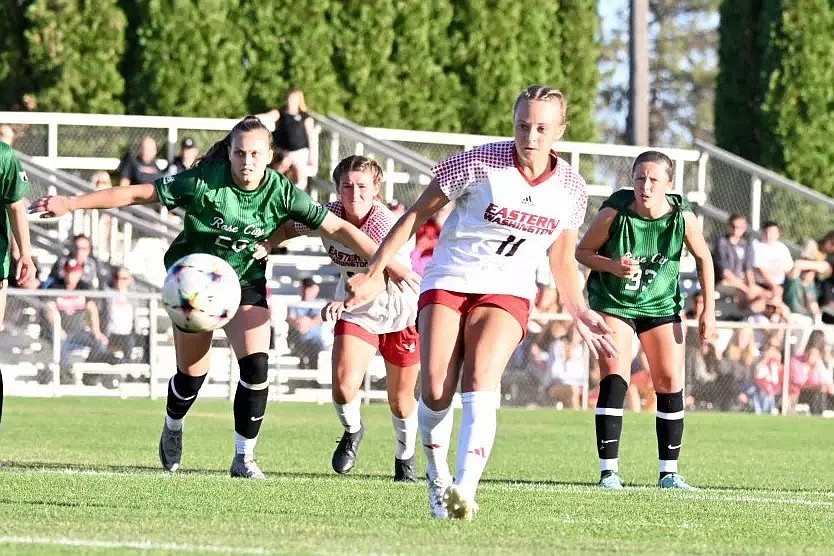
(344, 458)
(404, 470)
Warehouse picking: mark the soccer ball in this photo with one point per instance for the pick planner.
(201, 292)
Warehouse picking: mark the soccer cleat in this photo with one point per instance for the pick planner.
(459, 505)
(344, 457)
(611, 481)
(170, 448)
(437, 491)
(404, 470)
(245, 467)
(675, 481)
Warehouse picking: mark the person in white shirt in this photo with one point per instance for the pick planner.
(772, 260)
(513, 201)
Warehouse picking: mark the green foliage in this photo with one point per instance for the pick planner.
(799, 103)
(74, 48)
(12, 76)
(191, 60)
(578, 28)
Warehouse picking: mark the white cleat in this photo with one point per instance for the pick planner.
(458, 505)
(245, 467)
(437, 491)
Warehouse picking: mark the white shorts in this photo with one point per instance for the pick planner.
(301, 159)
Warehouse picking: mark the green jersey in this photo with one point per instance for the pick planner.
(657, 244)
(222, 219)
(13, 186)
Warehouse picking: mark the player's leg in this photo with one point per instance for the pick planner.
(491, 335)
(608, 419)
(440, 353)
(192, 352)
(249, 334)
(402, 365)
(353, 349)
(663, 345)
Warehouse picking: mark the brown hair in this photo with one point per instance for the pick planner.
(220, 150)
(302, 106)
(545, 94)
(357, 163)
(658, 158)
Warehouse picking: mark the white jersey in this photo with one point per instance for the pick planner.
(502, 224)
(393, 310)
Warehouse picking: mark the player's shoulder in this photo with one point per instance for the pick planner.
(679, 202)
(619, 200)
(6, 152)
(568, 173)
(497, 154)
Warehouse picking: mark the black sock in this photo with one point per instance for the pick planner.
(1, 396)
(182, 393)
(251, 395)
(609, 416)
(669, 427)
(249, 409)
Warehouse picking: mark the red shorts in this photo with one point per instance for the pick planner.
(397, 348)
(462, 303)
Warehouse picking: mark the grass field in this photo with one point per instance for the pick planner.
(81, 476)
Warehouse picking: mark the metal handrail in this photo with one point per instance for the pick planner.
(763, 173)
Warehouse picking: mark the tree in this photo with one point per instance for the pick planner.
(12, 74)
(683, 40)
(74, 48)
(578, 25)
(190, 60)
(798, 106)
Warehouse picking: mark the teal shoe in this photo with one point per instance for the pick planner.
(612, 481)
(675, 481)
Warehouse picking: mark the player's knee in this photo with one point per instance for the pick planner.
(254, 371)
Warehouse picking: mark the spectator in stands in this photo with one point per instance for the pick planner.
(144, 166)
(826, 284)
(733, 257)
(232, 180)
(189, 152)
(767, 380)
(425, 242)
(567, 366)
(811, 381)
(6, 134)
(771, 259)
(15, 247)
(119, 317)
(75, 317)
(397, 207)
(305, 338)
(96, 273)
(802, 287)
(295, 138)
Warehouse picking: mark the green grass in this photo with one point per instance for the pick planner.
(82, 476)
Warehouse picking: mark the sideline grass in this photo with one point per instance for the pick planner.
(82, 476)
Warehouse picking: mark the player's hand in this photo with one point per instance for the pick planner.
(598, 336)
(706, 325)
(262, 250)
(24, 269)
(332, 311)
(403, 277)
(626, 267)
(50, 207)
(363, 288)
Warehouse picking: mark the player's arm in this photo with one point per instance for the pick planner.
(347, 234)
(587, 253)
(312, 140)
(697, 246)
(139, 194)
(22, 246)
(590, 325)
(365, 286)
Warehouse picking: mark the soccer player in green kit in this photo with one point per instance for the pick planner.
(633, 249)
(233, 204)
(13, 186)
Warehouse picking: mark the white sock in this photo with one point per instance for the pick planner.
(245, 446)
(174, 424)
(349, 414)
(405, 433)
(477, 435)
(436, 433)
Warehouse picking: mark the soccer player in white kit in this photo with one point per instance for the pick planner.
(385, 323)
(513, 201)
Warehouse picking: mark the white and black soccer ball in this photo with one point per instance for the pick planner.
(201, 292)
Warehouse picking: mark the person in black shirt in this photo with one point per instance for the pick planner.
(295, 139)
(188, 155)
(143, 167)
